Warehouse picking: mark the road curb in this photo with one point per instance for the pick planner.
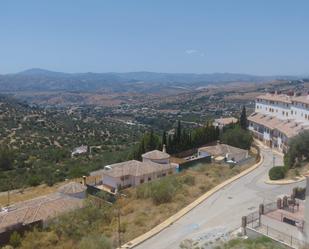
(169, 221)
(284, 182)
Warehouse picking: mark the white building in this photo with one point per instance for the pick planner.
(279, 117)
(155, 164)
(79, 150)
(222, 122)
(227, 152)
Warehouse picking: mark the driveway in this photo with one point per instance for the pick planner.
(222, 212)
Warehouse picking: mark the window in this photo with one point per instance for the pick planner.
(141, 181)
(124, 178)
(149, 179)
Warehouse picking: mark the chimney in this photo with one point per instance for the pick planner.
(164, 148)
(84, 180)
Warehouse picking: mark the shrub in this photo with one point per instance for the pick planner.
(143, 191)
(94, 242)
(15, 239)
(34, 180)
(277, 173)
(189, 180)
(164, 190)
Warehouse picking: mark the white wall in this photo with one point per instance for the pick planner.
(280, 110)
(202, 153)
(300, 113)
(296, 110)
(110, 181)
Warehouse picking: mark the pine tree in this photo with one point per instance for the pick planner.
(243, 118)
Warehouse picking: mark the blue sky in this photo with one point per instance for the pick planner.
(261, 37)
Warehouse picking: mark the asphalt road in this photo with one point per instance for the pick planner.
(222, 212)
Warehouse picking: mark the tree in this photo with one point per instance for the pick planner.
(178, 131)
(237, 137)
(149, 141)
(164, 139)
(6, 158)
(243, 118)
(298, 150)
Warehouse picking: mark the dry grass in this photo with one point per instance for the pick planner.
(141, 215)
(28, 193)
(295, 173)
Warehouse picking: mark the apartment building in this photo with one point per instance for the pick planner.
(278, 118)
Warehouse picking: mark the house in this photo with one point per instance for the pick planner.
(222, 122)
(155, 164)
(39, 210)
(79, 150)
(278, 118)
(223, 152)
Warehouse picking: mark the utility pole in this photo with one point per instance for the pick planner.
(119, 228)
(9, 189)
(8, 197)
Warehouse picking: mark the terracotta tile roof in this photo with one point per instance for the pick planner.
(156, 155)
(135, 168)
(41, 208)
(221, 149)
(276, 97)
(290, 127)
(72, 188)
(266, 120)
(226, 121)
(301, 99)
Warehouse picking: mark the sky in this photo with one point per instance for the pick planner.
(262, 37)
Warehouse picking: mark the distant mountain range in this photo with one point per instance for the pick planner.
(44, 80)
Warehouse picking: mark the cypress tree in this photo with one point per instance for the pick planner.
(243, 118)
(178, 131)
(164, 139)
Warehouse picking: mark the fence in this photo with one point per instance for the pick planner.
(253, 220)
(280, 236)
(255, 223)
(269, 207)
(193, 162)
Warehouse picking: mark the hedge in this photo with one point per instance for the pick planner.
(277, 173)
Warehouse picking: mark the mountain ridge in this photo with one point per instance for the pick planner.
(37, 79)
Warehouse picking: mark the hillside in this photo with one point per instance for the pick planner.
(40, 142)
(44, 80)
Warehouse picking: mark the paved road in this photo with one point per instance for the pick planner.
(222, 212)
